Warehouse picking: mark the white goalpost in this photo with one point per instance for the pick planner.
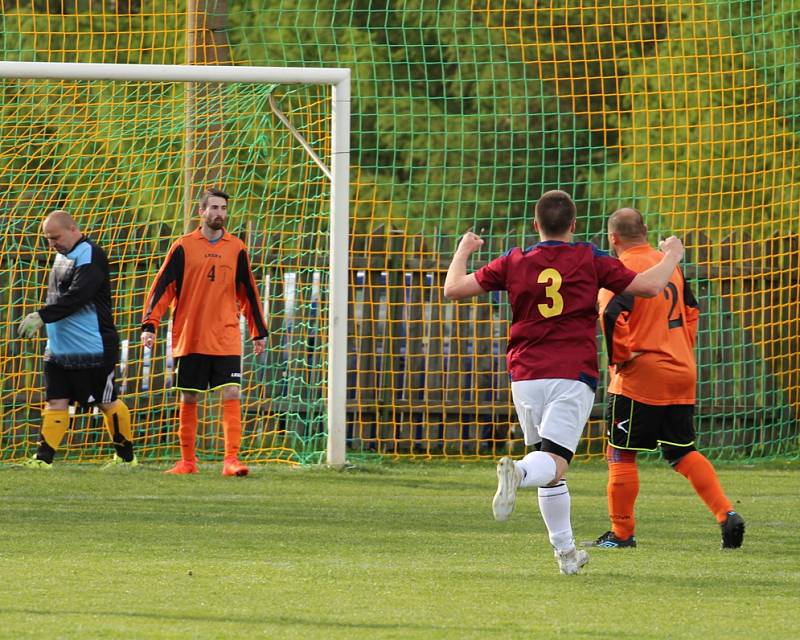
(338, 175)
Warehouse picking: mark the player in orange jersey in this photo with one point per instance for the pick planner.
(651, 393)
(206, 276)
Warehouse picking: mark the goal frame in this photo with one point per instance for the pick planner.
(336, 77)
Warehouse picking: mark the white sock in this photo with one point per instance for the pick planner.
(554, 503)
(539, 469)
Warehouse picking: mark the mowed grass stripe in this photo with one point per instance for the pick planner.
(393, 551)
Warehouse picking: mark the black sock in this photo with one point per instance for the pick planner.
(124, 448)
(45, 452)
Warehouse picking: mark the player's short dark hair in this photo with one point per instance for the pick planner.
(555, 212)
(628, 223)
(219, 193)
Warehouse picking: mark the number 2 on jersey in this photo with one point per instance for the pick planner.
(671, 294)
(552, 281)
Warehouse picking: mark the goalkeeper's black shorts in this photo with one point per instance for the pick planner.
(637, 426)
(89, 386)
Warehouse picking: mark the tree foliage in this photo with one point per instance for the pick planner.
(463, 115)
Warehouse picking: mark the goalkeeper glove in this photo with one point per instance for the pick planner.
(30, 325)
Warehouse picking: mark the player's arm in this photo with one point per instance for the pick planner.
(249, 301)
(86, 282)
(652, 282)
(165, 288)
(458, 284)
(615, 311)
(691, 311)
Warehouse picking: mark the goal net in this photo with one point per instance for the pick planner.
(128, 158)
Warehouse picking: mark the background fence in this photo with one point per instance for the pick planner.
(463, 115)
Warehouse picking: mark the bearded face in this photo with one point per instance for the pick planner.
(215, 214)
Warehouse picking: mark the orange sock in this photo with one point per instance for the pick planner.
(232, 426)
(187, 430)
(699, 471)
(623, 489)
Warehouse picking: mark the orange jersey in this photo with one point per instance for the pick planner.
(208, 285)
(663, 329)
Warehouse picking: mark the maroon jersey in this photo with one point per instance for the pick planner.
(552, 288)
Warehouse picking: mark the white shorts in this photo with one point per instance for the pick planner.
(552, 408)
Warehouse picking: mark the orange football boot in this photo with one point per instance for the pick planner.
(232, 467)
(183, 467)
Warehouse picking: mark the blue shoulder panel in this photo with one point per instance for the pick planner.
(599, 253)
(81, 253)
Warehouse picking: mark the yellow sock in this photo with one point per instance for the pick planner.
(54, 426)
(117, 420)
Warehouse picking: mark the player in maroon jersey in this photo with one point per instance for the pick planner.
(552, 351)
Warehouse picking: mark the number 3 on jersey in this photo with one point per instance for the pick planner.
(552, 281)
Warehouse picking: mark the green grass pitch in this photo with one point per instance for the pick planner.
(393, 551)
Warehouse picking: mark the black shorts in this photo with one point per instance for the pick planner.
(95, 385)
(644, 427)
(200, 372)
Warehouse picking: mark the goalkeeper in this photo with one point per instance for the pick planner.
(82, 342)
(552, 351)
(651, 393)
(206, 276)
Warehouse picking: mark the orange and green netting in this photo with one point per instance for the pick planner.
(116, 155)
(463, 114)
